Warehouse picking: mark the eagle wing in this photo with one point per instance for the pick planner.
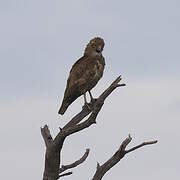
(76, 83)
(78, 77)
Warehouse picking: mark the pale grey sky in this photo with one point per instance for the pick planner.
(41, 39)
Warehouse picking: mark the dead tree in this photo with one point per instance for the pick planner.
(53, 169)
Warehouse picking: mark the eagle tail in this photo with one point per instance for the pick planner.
(63, 107)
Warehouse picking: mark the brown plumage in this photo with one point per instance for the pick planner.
(85, 73)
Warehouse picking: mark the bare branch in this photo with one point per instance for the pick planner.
(45, 132)
(65, 174)
(119, 154)
(111, 88)
(77, 118)
(76, 163)
(118, 85)
(141, 145)
(125, 143)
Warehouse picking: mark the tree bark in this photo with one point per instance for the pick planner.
(53, 169)
(118, 155)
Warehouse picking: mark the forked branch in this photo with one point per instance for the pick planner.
(45, 132)
(118, 155)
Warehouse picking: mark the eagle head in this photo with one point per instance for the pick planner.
(95, 47)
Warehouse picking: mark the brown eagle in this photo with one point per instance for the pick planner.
(84, 74)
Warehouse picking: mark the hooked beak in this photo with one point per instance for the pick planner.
(99, 49)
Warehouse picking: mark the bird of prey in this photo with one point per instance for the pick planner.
(84, 74)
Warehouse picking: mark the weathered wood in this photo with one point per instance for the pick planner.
(52, 169)
(74, 164)
(118, 155)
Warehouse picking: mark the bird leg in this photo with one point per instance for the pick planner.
(90, 95)
(92, 99)
(85, 102)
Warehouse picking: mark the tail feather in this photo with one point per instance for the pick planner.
(63, 108)
(67, 101)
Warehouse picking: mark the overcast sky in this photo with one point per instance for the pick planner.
(39, 42)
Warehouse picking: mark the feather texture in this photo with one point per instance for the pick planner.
(85, 73)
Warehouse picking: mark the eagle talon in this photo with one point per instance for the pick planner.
(93, 100)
